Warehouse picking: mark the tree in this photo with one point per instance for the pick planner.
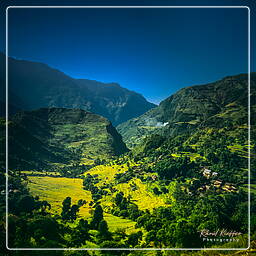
(81, 202)
(133, 239)
(104, 233)
(66, 204)
(162, 237)
(133, 211)
(97, 217)
(26, 204)
(80, 233)
(73, 212)
(112, 244)
(151, 237)
(103, 228)
(43, 206)
(121, 201)
(45, 229)
(119, 197)
(156, 191)
(69, 212)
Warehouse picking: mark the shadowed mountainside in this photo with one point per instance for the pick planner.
(58, 135)
(35, 85)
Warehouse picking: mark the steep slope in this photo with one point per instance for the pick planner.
(34, 85)
(58, 135)
(204, 105)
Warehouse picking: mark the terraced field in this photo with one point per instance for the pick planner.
(115, 223)
(56, 189)
(38, 173)
(252, 188)
(242, 150)
(107, 173)
(140, 193)
(192, 156)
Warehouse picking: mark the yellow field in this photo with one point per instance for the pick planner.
(141, 196)
(107, 173)
(55, 190)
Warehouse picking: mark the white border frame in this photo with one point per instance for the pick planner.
(249, 130)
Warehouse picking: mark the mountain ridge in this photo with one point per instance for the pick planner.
(47, 136)
(192, 106)
(39, 85)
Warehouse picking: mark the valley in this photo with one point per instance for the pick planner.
(184, 169)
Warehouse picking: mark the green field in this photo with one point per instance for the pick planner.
(241, 150)
(252, 188)
(192, 156)
(45, 173)
(116, 223)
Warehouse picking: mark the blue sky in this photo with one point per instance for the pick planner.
(152, 51)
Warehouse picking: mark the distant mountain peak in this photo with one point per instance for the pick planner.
(33, 85)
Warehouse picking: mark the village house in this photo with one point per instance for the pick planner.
(228, 187)
(154, 177)
(217, 183)
(214, 174)
(207, 173)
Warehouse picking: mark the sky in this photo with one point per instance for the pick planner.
(154, 52)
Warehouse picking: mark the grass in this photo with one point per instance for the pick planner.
(56, 174)
(115, 223)
(192, 156)
(252, 188)
(55, 190)
(106, 174)
(241, 150)
(142, 196)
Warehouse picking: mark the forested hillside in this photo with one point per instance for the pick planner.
(51, 136)
(216, 105)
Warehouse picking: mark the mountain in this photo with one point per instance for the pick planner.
(189, 174)
(35, 85)
(213, 104)
(59, 135)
